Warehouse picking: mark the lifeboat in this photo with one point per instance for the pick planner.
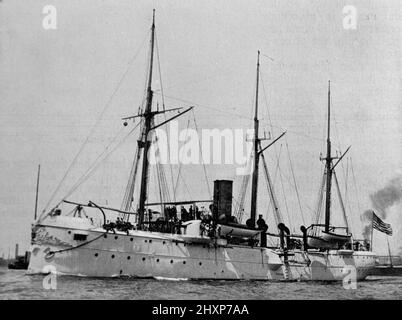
(237, 230)
(328, 240)
(335, 237)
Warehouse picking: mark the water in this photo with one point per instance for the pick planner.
(15, 284)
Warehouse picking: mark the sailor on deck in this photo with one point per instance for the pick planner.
(264, 227)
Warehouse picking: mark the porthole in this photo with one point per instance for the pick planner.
(105, 236)
(150, 241)
(96, 254)
(146, 241)
(116, 237)
(163, 242)
(128, 258)
(171, 261)
(69, 232)
(200, 263)
(184, 262)
(131, 239)
(157, 260)
(112, 256)
(143, 259)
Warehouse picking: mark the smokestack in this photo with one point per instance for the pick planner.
(223, 190)
(16, 251)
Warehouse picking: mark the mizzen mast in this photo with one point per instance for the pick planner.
(328, 165)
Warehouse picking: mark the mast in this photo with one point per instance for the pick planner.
(144, 143)
(37, 191)
(256, 143)
(328, 162)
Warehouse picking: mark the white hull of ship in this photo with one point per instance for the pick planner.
(332, 265)
(148, 254)
(145, 254)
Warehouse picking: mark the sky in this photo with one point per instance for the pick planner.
(60, 86)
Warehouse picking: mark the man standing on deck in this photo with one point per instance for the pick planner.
(264, 227)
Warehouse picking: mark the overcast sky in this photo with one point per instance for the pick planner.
(54, 85)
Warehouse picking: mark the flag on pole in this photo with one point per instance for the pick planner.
(381, 226)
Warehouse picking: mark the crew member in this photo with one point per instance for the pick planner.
(264, 227)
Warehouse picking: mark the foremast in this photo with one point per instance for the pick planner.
(145, 142)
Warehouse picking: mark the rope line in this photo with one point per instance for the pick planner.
(76, 247)
(107, 105)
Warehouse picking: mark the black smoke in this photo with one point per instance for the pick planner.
(381, 201)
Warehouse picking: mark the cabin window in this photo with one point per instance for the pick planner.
(80, 237)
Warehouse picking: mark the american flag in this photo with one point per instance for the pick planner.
(381, 226)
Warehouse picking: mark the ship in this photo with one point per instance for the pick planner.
(211, 244)
(20, 262)
(206, 247)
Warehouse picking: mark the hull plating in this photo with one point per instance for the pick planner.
(159, 255)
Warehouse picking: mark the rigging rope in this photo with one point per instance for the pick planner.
(94, 167)
(341, 202)
(277, 214)
(284, 196)
(163, 105)
(107, 105)
(179, 171)
(95, 161)
(354, 181)
(295, 184)
(202, 157)
(319, 203)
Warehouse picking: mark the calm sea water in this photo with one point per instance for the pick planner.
(15, 284)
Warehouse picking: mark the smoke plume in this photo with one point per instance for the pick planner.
(381, 201)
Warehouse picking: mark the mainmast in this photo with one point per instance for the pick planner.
(144, 143)
(328, 164)
(256, 143)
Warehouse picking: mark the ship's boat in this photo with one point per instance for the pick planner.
(237, 230)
